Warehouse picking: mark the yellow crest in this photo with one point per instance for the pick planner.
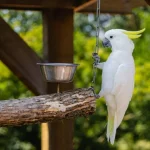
(134, 34)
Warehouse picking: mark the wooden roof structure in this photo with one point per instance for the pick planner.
(111, 6)
(57, 24)
(88, 6)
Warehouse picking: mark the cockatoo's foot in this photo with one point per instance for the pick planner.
(99, 65)
(96, 59)
(97, 96)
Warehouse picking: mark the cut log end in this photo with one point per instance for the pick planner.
(47, 108)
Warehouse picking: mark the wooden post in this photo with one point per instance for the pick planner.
(44, 136)
(58, 47)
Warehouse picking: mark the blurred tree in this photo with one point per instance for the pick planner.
(22, 21)
(86, 23)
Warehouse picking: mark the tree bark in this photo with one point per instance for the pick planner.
(53, 107)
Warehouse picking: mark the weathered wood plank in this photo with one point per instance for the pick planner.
(58, 47)
(54, 107)
(20, 58)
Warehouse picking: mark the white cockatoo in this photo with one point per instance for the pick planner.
(118, 76)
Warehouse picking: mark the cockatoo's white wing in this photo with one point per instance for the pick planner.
(123, 89)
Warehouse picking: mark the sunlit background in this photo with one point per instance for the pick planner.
(90, 133)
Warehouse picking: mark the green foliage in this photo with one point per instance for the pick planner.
(21, 21)
(89, 132)
(10, 86)
(34, 38)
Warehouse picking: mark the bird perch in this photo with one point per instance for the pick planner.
(53, 107)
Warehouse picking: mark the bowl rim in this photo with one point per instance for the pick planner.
(57, 64)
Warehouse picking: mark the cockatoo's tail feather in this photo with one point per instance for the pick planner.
(111, 128)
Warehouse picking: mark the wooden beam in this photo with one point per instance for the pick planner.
(58, 35)
(85, 5)
(20, 58)
(88, 6)
(58, 47)
(54, 107)
(148, 2)
(44, 136)
(35, 4)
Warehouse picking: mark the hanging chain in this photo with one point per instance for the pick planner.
(97, 47)
(97, 26)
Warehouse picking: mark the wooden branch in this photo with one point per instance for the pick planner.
(53, 107)
(21, 59)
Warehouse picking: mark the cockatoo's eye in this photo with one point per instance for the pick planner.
(111, 37)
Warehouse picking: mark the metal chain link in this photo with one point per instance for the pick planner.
(97, 26)
(97, 47)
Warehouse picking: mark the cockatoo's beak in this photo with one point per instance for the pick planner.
(106, 43)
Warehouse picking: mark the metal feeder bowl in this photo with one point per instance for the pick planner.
(58, 72)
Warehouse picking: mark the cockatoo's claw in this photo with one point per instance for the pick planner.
(95, 95)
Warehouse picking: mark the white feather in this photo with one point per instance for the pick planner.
(123, 89)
